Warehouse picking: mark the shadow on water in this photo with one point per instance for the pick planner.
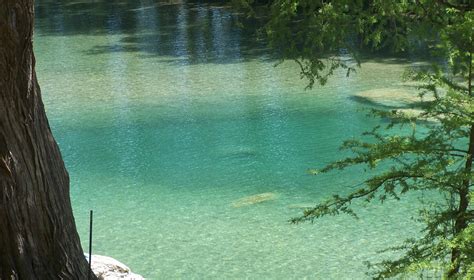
(189, 31)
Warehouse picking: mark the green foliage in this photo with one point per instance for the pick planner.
(434, 156)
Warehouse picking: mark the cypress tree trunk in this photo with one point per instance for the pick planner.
(38, 237)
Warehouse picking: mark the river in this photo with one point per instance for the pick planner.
(167, 114)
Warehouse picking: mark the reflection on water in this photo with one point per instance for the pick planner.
(187, 31)
(167, 114)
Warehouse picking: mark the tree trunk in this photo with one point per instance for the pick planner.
(38, 237)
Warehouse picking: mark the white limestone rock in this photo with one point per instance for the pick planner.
(393, 97)
(254, 199)
(302, 206)
(107, 268)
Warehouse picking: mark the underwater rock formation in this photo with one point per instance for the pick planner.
(254, 199)
(392, 97)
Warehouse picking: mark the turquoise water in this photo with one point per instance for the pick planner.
(166, 114)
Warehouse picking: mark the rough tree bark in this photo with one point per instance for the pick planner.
(38, 237)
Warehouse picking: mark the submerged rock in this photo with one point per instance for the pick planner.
(254, 199)
(392, 97)
(107, 268)
(313, 171)
(410, 112)
(417, 113)
(301, 206)
(238, 152)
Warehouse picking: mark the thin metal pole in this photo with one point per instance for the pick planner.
(90, 246)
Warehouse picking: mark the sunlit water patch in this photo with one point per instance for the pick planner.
(169, 118)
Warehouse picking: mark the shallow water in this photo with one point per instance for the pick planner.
(168, 114)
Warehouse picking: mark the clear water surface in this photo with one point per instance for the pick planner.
(166, 113)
